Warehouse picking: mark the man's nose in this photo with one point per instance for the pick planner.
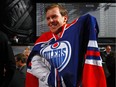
(51, 20)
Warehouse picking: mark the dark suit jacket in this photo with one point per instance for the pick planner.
(108, 59)
(7, 61)
(19, 78)
(109, 67)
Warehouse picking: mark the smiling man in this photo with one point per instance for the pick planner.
(56, 18)
(71, 50)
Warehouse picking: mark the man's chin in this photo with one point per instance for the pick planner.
(53, 30)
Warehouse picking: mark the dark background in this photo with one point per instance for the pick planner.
(17, 18)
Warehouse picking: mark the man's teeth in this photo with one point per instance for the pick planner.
(53, 25)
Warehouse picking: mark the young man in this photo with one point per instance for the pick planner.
(71, 49)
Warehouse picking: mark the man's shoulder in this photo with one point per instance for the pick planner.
(103, 53)
(23, 70)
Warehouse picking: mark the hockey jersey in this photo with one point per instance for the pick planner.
(74, 57)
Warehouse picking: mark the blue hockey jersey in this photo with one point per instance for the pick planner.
(74, 56)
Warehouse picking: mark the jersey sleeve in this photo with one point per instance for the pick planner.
(93, 74)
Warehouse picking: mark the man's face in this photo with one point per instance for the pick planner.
(54, 19)
(17, 62)
(108, 49)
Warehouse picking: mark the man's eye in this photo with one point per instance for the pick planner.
(54, 16)
(47, 18)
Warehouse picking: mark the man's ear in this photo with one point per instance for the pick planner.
(65, 19)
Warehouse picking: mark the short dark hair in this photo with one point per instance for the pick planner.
(20, 57)
(62, 10)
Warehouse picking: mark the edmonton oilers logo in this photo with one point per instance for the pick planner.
(58, 54)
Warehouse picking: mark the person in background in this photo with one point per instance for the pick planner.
(20, 73)
(21, 60)
(71, 49)
(27, 51)
(7, 61)
(108, 57)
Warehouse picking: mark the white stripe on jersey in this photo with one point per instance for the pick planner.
(93, 43)
(93, 62)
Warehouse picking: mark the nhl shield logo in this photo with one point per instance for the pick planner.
(58, 54)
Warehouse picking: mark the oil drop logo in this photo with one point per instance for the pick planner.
(58, 54)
